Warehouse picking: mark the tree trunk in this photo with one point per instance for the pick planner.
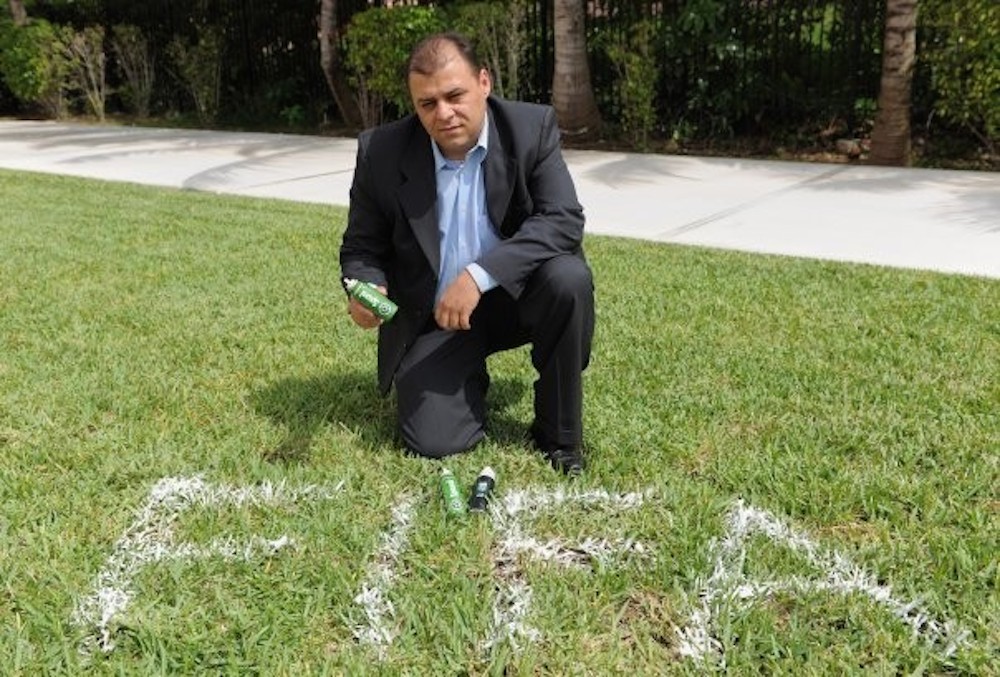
(333, 67)
(572, 93)
(17, 11)
(891, 134)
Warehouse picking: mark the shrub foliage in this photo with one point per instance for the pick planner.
(961, 44)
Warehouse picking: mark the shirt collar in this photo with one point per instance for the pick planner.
(440, 161)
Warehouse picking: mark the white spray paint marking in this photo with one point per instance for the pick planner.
(150, 539)
(378, 632)
(513, 599)
(728, 587)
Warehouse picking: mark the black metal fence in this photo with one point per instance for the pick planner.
(749, 65)
(725, 66)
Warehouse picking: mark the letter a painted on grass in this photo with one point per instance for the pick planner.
(728, 589)
(151, 539)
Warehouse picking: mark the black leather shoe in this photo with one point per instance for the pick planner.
(568, 461)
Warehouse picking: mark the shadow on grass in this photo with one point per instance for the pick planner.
(350, 401)
(302, 406)
(502, 426)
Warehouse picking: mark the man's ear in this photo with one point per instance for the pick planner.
(485, 81)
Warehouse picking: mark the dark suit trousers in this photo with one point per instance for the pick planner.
(442, 380)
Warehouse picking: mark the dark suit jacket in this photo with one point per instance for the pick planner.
(392, 235)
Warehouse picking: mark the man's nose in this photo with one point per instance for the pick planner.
(444, 111)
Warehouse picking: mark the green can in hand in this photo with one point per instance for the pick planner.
(371, 298)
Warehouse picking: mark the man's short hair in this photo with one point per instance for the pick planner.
(429, 55)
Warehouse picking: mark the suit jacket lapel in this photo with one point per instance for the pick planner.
(418, 196)
(497, 172)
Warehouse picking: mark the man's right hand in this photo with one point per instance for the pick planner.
(363, 317)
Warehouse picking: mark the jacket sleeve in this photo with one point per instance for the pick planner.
(365, 250)
(544, 200)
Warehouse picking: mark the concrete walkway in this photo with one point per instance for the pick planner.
(940, 220)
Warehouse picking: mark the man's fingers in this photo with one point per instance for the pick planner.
(454, 310)
(448, 317)
(362, 317)
(442, 317)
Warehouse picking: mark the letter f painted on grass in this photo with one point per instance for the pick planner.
(151, 539)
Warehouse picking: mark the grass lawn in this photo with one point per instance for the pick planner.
(177, 370)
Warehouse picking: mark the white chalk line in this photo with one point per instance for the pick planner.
(728, 586)
(150, 539)
(379, 630)
(512, 602)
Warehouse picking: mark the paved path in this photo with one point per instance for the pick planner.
(939, 220)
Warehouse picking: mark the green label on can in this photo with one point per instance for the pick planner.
(451, 493)
(372, 299)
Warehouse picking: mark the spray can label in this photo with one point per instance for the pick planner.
(451, 493)
(481, 489)
(371, 298)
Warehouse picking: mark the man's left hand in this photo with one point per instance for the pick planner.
(460, 298)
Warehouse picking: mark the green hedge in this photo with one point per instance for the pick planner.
(34, 65)
(961, 45)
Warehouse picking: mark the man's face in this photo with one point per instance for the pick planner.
(451, 104)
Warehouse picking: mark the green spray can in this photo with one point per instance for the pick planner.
(371, 298)
(451, 493)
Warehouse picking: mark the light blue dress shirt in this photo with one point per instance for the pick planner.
(463, 222)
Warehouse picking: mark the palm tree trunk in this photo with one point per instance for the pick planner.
(891, 134)
(329, 59)
(572, 93)
(17, 11)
